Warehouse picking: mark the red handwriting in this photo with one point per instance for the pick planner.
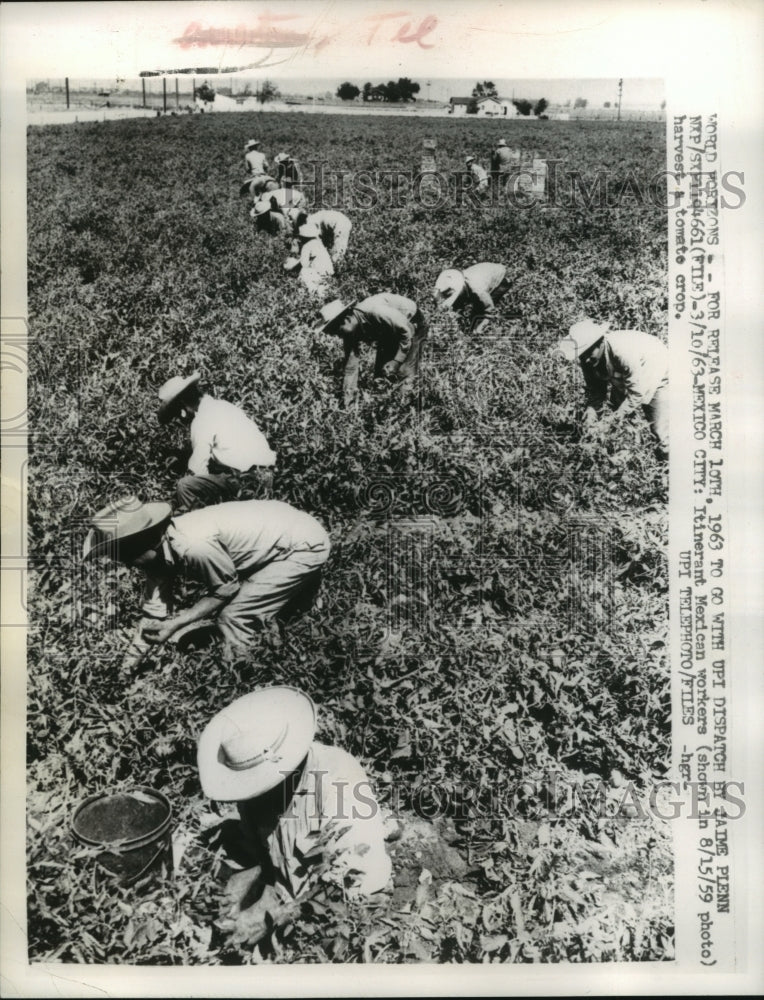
(267, 34)
(404, 33)
(263, 36)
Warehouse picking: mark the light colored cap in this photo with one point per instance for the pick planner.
(581, 337)
(332, 313)
(448, 287)
(170, 391)
(119, 520)
(309, 231)
(252, 745)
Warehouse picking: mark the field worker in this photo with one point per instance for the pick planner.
(256, 187)
(297, 800)
(316, 269)
(255, 559)
(255, 162)
(502, 161)
(229, 451)
(393, 323)
(473, 291)
(626, 364)
(267, 219)
(334, 228)
(288, 172)
(479, 177)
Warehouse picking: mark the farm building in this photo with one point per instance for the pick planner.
(459, 105)
(486, 106)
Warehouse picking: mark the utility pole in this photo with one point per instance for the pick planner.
(177, 97)
(67, 92)
(143, 85)
(164, 94)
(620, 93)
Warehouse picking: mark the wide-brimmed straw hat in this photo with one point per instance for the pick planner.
(170, 393)
(309, 231)
(469, 159)
(261, 207)
(501, 143)
(291, 263)
(448, 287)
(125, 518)
(255, 743)
(332, 313)
(250, 143)
(581, 337)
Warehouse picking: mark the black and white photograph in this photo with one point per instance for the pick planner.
(372, 602)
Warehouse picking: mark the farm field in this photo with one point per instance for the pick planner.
(490, 639)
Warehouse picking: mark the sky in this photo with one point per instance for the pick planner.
(334, 40)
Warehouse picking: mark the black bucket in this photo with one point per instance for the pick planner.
(134, 828)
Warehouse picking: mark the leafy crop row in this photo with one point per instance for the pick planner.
(531, 640)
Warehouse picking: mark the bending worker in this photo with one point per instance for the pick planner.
(622, 364)
(255, 162)
(393, 323)
(334, 228)
(229, 451)
(255, 559)
(296, 797)
(314, 263)
(475, 291)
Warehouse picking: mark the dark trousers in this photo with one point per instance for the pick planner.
(221, 484)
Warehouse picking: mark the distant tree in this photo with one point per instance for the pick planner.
(205, 93)
(348, 91)
(41, 87)
(663, 105)
(485, 89)
(392, 91)
(268, 92)
(407, 88)
(366, 92)
(580, 102)
(523, 106)
(472, 107)
(606, 104)
(541, 106)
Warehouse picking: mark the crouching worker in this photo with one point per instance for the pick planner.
(314, 265)
(622, 364)
(392, 323)
(254, 559)
(229, 451)
(305, 810)
(474, 292)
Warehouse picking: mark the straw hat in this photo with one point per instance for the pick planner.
(470, 159)
(309, 231)
(261, 207)
(250, 144)
(581, 337)
(291, 263)
(126, 518)
(448, 287)
(252, 745)
(170, 393)
(332, 313)
(501, 143)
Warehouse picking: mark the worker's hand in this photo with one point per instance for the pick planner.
(590, 417)
(391, 369)
(156, 633)
(250, 925)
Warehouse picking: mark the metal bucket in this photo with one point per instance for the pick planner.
(133, 827)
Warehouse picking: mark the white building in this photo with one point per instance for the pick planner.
(498, 107)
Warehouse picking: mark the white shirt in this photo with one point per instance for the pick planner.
(255, 161)
(333, 806)
(633, 361)
(222, 431)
